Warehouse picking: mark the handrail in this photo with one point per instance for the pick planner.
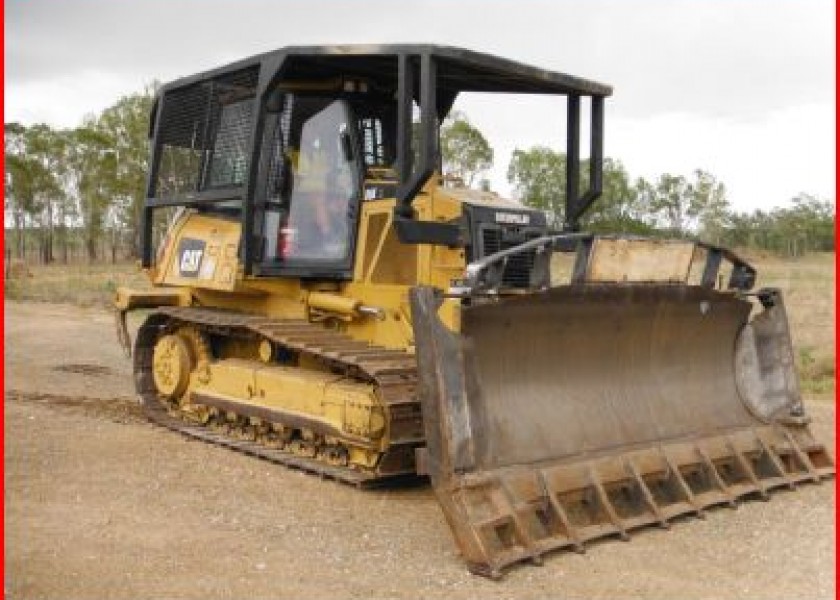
(484, 276)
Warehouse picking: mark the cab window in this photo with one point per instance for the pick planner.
(310, 214)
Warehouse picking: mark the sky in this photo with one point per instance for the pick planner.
(744, 89)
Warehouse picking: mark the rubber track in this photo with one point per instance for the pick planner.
(393, 371)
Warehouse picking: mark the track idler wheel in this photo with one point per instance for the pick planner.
(171, 365)
(178, 356)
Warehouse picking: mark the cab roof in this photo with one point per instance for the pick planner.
(458, 69)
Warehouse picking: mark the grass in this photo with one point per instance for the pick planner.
(80, 284)
(808, 286)
(807, 283)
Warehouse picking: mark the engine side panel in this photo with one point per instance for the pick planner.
(203, 252)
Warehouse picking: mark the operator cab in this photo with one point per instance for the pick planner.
(325, 153)
(290, 143)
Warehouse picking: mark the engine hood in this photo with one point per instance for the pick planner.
(485, 199)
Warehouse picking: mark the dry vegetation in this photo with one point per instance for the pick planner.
(807, 282)
(79, 284)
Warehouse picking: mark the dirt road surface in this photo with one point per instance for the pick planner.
(100, 504)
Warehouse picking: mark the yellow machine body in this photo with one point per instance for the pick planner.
(384, 271)
(372, 308)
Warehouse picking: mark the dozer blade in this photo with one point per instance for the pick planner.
(591, 410)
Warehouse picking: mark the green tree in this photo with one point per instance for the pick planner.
(538, 176)
(19, 182)
(33, 183)
(93, 177)
(464, 149)
(708, 206)
(92, 164)
(806, 225)
(48, 148)
(618, 209)
(684, 207)
(668, 202)
(125, 125)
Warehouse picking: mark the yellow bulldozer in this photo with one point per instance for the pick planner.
(321, 299)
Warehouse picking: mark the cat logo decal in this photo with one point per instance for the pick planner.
(190, 253)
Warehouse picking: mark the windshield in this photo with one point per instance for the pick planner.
(324, 183)
(314, 183)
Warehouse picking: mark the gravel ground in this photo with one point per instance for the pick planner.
(100, 504)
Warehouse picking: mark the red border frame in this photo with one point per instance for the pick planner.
(2, 309)
(3, 314)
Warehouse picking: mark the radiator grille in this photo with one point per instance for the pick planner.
(517, 273)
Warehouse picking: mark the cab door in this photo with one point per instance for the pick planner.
(310, 206)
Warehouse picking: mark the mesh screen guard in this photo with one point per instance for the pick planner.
(203, 135)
